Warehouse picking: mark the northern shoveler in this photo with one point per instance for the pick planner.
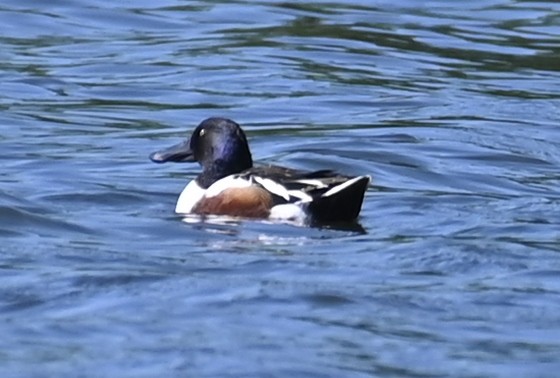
(230, 185)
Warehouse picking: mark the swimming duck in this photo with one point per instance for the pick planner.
(230, 185)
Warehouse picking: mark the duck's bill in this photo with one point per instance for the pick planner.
(178, 153)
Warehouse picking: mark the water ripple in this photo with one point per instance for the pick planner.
(451, 107)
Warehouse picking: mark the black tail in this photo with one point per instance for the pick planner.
(341, 203)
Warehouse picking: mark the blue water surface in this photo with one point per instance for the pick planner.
(452, 107)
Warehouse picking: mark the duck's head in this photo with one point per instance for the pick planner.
(217, 144)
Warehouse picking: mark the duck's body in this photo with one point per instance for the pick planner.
(230, 185)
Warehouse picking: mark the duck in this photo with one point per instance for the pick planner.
(230, 185)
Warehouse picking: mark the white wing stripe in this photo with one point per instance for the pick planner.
(273, 187)
(317, 183)
(342, 186)
(301, 195)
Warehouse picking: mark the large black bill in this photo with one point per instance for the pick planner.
(178, 153)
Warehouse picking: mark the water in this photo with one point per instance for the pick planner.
(452, 107)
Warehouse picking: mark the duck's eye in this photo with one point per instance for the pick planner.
(202, 132)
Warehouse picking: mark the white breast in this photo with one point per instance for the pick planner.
(227, 182)
(189, 197)
(193, 192)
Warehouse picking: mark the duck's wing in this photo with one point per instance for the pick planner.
(291, 185)
(278, 173)
(324, 196)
